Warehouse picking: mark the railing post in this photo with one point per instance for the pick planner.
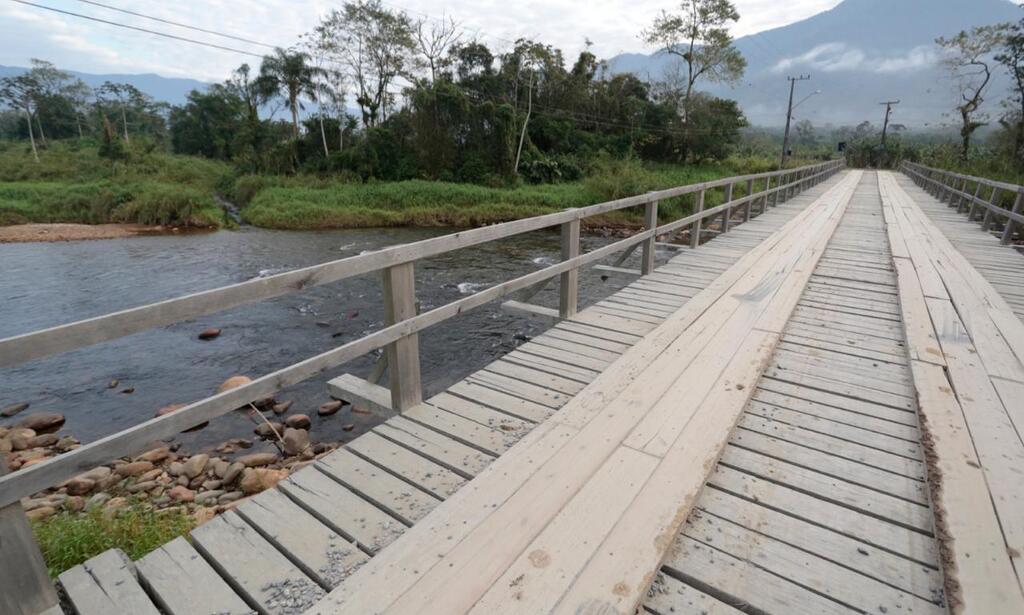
(960, 193)
(650, 223)
(695, 229)
(986, 220)
(403, 354)
(25, 587)
(969, 206)
(569, 283)
(728, 210)
(764, 199)
(1017, 206)
(750, 200)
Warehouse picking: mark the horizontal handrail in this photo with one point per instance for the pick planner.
(944, 185)
(56, 470)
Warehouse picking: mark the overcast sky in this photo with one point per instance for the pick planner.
(77, 44)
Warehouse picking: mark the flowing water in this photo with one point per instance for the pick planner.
(47, 284)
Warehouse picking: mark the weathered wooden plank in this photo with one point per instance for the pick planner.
(181, 582)
(106, 583)
(396, 497)
(258, 572)
(411, 467)
(471, 433)
(455, 456)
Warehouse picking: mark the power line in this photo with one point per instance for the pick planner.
(138, 29)
(178, 24)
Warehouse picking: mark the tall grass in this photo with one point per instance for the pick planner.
(68, 539)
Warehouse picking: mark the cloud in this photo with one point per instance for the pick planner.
(837, 56)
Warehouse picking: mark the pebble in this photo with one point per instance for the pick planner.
(298, 421)
(209, 334)
(80, 485)
(348, 426)
(13, 409)
(255, 480)
(155, 455)
(266, 430)
(253, 460)
(175, 468)
(208, 497)
(127, 390)
(329, 408)
(151, 475)
(40, 513)
(134, 468)
(233, 471)
(282, 407)
(113, 384)
(195, 465)
(19, 437)
(114, 504)
(97, 500)
(295, 441)
(74, 503)
(210, 485)
(47, 439)
(42, 422)
(229, 497)
(181, 494)
(67, 443)
(220, 468)
(233, 383)
(140, 487)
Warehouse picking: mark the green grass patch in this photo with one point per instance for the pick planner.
(68, 539)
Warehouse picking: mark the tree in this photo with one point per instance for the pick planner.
(805, 134)
(1012, 57)
(699, 35)
(969, 61)
(435, 41)
(288, 74)
(20, 92)
(376, 45)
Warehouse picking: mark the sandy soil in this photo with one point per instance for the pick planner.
(75, 232)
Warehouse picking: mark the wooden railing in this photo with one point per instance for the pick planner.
(978, 197)
(400, 333)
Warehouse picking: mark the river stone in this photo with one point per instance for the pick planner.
(46, 439)
(233, 383)
(180, 493)
(175, 468)
(5, 445)
(255, 480)
(42, 422)
(209, 334)
(134, 468)
(212, 484)
(208, 497)
(74, 503)
(40, 513)
(155, 455)
(229, 497)
(151, 475)
(14, 409)
(220, 468)
(295, 441)
(253, 460)
(298, 421)
(282, 407)
(144, 486)
(330, 408)
(195, 465)
(266, 430)
(232, 472)
(20, 437)
(80, 485)
(67, 443)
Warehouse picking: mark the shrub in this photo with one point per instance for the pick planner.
(615, 178)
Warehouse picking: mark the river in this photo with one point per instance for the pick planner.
(47, 284)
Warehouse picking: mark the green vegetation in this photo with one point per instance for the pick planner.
(68, 539)
(72, 183)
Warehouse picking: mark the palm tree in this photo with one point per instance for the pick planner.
(289, 74)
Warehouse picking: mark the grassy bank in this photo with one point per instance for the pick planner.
(70, 538)
(73, 184)
(288, 203)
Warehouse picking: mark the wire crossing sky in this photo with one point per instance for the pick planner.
(82, 35)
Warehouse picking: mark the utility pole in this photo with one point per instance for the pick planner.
(888, 111)
(789, 116)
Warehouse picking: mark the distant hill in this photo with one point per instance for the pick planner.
(164, 89)
(859, 53)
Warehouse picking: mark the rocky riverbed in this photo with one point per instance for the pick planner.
(204, 483)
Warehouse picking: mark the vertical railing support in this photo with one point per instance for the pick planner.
(728, 210)
(650, 223)
(695, 229)
(986, 220)
(969, 206)
(403, 354)
(750, 200)
(1018, 204)
(25, 587)
(569, 282)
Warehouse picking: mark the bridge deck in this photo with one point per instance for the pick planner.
(781, 362)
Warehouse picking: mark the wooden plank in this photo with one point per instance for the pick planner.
(437, 447)
(488, 417)
(258, 572)
(536, 362)
(387, 492)
(411, 467)
(669, 595)
(503, 402)
(181, 582)
(361, 393)
(471, 433)
(537, 313)
(535, 377)
(106, 583)
(520, 388)
(322, 554)
(342, 510)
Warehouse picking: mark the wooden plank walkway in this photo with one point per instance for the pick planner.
(820, 503)
(284, 549)
(816, 412)
(1002, 265)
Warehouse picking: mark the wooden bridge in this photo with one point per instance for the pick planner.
(817, 410)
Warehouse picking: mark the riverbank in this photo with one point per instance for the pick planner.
(59, 231)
